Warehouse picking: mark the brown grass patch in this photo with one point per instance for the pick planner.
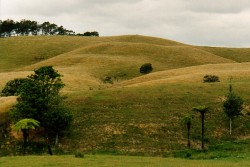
(194, 74)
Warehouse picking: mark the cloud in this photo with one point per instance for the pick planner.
(199, 22)
(220, 6)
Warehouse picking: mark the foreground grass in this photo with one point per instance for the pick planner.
(116, 161)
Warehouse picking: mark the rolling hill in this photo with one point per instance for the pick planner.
(136, 113)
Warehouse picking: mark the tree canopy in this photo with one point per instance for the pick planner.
(233, 106)
(24, 27)
(202, 110)
(39, 98)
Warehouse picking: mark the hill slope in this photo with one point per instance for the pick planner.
(137, 113)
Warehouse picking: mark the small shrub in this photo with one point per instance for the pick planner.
(146, 68)
(79, 155)
(108, 79)
(120, 75)
(211, 78)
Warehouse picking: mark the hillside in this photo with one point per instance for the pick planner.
(137, 113)
(237, 54)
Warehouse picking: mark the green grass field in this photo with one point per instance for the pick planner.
(116, 161)
(137, 114)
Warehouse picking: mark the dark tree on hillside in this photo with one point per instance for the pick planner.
(61, 30)
(34, 27)
(23, 27)
(202, 110)
(45, 27)
(28, 27)
(87, 34)
(187, 120)
(25, 125)
(39, 99)
(93, 34)
(7, 27)
(233, 106)
(53, 29)
(12, 86)
(70, 32)
(1, 27)
(146, 68)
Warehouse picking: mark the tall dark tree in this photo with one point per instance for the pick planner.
(1, 27)
(25, 125)
(187, 120)
(60, 118)
(45, 27)
(34, 27)
(233, 106)
(53, 29)
(39, 98)
(7, 27)
(95, 34)
(28, 27)
(202, 110)
(23, 27)
(61, 30)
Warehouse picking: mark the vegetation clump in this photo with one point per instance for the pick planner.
(211, 78)
(108, 79)
(12, 86)
(39, 99)
(25, 125)
(233, 106)
(27, 27)
(146, 68)
(187, 120)
(79, 155)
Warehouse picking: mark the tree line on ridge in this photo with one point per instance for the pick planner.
(25, 27)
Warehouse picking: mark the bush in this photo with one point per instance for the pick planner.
(146, 68)
(79, 155)
(211, 78)
(11, 87)
(107, 79)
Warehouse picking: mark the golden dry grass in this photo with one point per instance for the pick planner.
(7, 76)
(238, 71)
(5, 104)
(13, 51)
(236, 54)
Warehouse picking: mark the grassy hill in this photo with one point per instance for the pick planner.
(137, 114)
(237, 54)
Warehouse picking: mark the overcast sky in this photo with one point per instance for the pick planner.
(198, 22)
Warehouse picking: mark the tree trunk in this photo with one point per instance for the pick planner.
(230, 126)
(202, 130)
(56, 142)
(25, 139)
(188, 135)
(48, 146)
(49, 150)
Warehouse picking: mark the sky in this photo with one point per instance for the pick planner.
(196, 22)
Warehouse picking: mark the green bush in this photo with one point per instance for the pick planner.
(146, 68)
(11, 87)
(79, 155)
(211, 78)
